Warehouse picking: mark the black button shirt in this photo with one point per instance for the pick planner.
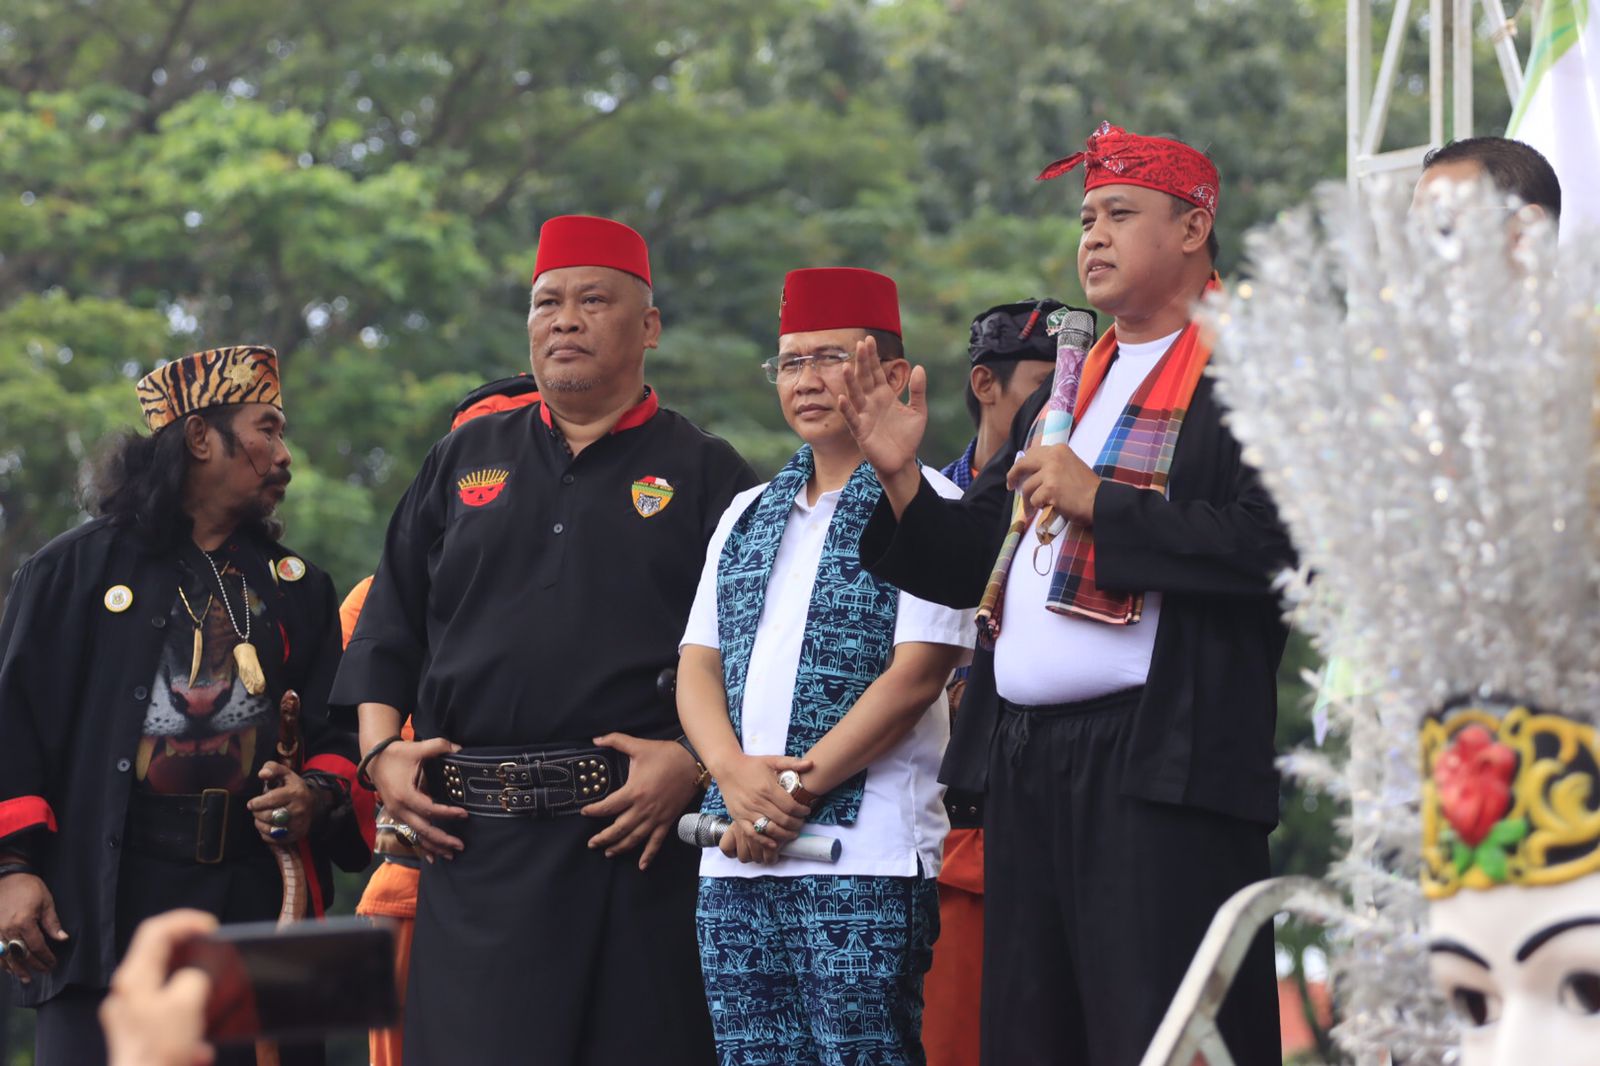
(527, 596)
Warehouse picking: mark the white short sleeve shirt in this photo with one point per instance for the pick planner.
(1042, 657)
(902, 821)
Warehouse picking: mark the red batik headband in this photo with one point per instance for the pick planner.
(1116, 157)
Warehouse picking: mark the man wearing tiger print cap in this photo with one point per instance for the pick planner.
(145, 659)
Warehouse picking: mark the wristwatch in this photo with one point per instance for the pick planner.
(702, 776)
(789, 781)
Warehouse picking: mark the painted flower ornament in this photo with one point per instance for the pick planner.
(1474, 782)
(1473, 778)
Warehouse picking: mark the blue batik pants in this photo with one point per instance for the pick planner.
(817, 971)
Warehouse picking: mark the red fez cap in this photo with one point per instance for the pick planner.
(583, 240)
(1114, 156)
(838, 298)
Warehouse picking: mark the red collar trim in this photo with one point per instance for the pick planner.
(633, 418)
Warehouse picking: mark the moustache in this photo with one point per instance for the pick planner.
(281, 478)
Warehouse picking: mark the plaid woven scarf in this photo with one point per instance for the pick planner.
(1138, 452)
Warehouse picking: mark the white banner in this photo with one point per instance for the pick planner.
(1559, 112)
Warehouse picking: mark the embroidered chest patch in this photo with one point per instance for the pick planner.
(481, 486)
(651, 495)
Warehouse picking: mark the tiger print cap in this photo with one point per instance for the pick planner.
(245, 373)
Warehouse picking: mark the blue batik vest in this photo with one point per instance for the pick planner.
(849, 632)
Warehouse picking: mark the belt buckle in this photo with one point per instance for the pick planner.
(507, 791)
(200, 826)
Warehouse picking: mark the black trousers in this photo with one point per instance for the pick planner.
(246, 888)
(1095, 901)
(532, 948)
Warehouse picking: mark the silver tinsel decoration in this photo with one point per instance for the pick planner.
(1418, 389)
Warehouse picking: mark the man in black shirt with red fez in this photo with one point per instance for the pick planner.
(146, 658)
(534, 584)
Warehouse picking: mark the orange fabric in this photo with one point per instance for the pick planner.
(350, 609)
(951, 993)
(349, 614)
(384, 1045)
(963, 861)
(487, 406)
(391, 892)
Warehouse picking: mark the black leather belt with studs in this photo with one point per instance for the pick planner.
(523, 783)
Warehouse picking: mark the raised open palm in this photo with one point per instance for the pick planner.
(887, 430)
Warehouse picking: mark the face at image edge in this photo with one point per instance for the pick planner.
(1520, 966)
(1441, 188)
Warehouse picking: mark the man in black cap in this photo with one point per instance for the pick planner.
(1012, 353)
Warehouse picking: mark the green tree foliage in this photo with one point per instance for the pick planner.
(360, 184)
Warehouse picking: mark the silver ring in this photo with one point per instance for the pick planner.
(277, 832)
(16, 947)
(761, 824)
(280, 816)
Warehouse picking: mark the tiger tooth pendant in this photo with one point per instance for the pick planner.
(194, 663)
(244, 656)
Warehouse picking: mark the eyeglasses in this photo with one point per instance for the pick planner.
(789, 367)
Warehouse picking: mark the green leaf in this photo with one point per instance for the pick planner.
(1507, 832)
(1461, 855)
(1491, 859)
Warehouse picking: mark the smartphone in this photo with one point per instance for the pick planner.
(298, 982)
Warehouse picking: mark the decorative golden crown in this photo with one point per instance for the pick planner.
(1509, 796)
(481, 478)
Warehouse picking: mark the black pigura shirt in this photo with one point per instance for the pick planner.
(529, 596)
(87, 623)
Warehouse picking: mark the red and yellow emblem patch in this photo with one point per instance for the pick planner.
(651, 495)
(481, 486)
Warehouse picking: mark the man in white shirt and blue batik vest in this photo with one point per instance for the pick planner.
(814, 693)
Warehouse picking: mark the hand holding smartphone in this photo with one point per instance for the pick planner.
(299, 982)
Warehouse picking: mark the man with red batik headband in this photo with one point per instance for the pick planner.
(534, 582)
(1119, 713)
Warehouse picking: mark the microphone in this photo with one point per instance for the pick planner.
(1074, 338)
(706, 830)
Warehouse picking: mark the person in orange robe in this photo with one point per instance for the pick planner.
(392, 890)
